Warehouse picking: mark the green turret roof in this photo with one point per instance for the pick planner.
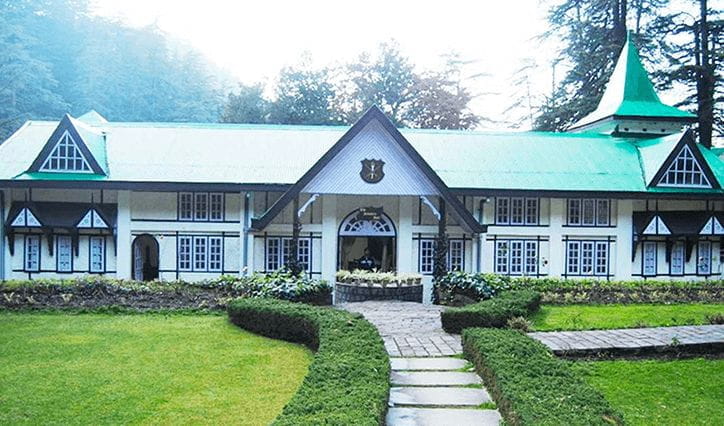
(629, 93)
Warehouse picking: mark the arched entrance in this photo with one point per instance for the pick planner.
(145, 258)
(367, 242)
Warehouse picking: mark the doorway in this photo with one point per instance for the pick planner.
(145, 258)
(367, 243)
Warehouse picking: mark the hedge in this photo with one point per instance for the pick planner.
(530, 386)
(491, 313)
(457, 288)
(91, 292)
(348, 380)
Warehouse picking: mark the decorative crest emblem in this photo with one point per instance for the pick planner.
(372, 171)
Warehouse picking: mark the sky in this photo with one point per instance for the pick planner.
(252, 41)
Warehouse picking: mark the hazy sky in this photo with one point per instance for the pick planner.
(253, 40)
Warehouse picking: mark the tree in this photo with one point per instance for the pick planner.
(246, 106)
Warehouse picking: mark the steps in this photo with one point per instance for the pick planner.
(437, 391)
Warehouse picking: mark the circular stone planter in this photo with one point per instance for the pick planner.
(359, 293)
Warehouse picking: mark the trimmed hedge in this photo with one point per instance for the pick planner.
(91, 292)
(530, 386)
(491, 313)
(348, 381)
(462, 287)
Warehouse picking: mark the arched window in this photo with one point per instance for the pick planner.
(353, 226)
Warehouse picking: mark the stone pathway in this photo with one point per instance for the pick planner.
(429, 387)
(631, 339)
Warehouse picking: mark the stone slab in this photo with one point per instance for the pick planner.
(434, 378)
(441, 363)
(438, 396)
(441, 417)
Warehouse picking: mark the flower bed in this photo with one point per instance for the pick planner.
(93, 292)
(459, 288)
(348, 381)
(358, 286)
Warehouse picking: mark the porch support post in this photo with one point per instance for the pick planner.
(293, 261)
(123, 236)
(441, 246)
(329, 238)
(404, 236)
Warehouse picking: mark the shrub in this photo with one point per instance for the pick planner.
(491, 313)
(715, 318)
(348, 381)
(530, 385)
(519, 323)
(482, 286)
(362, 277)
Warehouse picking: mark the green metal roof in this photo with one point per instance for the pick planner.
(630, 93)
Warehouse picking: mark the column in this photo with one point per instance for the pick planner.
(4, 249)
(624, 240)
(404, 236)
(247, 238)
(556, 257)
(123, 236)
(329, 238)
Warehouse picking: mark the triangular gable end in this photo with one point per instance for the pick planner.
(66, 152)
(656, 227)
(685, 167)
(92, 220)
(712, 227)
(25, 219)
(431, 184)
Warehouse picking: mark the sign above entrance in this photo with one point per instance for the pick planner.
(372, 170)
(369, 213)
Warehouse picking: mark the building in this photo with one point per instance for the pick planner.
(626, 194)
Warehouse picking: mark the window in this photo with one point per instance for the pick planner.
(456, 255)
(677, 258)
(516, 257)
(216, 207)
(97, 254)
(589, 212)
(587, 257)
(215, 254)
(32, 253)
(65, 157)
(649, 258)
(200, 245)
(703, 264)
(685, 171)
(64, 254)
(427, 256)
(279, 249)
(201, 206)
(186, 206)
(516, 211)
(184, 253)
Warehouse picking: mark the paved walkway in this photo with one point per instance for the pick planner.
(429, 387)
(631, 339)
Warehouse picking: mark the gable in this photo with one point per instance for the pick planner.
(25, 219)
(92, 220)
(66, 151)
(342, 174)
(713, 226)
(684, 167)
(656, 227)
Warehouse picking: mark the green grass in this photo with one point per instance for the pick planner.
(589, 317)
(153, 368)
(682, 392)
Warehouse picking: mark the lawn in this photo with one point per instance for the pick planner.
(144, 368)
(681, 392)
(590, 317)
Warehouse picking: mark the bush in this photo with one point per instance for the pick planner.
(531, 386)
(95, 291)
(348, 381)
(491, 313)
(362, 277)
(482, 286)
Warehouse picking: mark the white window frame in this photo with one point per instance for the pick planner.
(587, 258)
(517, 211)
(588, 212)
(216, 254)
(678, 258)
(427, 256)
(186, 206)
(703, 258)
(216, 206)
(649, 258)
(200, 257)
(63, 253)
(201, 206)
(277, 253)
(31, 261)
(96, 254)
(65, 152)
(185, 250)
(516, 257)
(685, 167)
(455, 255)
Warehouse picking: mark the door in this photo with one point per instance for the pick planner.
(137, 262)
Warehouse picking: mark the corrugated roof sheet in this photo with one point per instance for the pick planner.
(263, 154)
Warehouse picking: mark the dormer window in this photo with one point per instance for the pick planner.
(685, 171)
(66, 157)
